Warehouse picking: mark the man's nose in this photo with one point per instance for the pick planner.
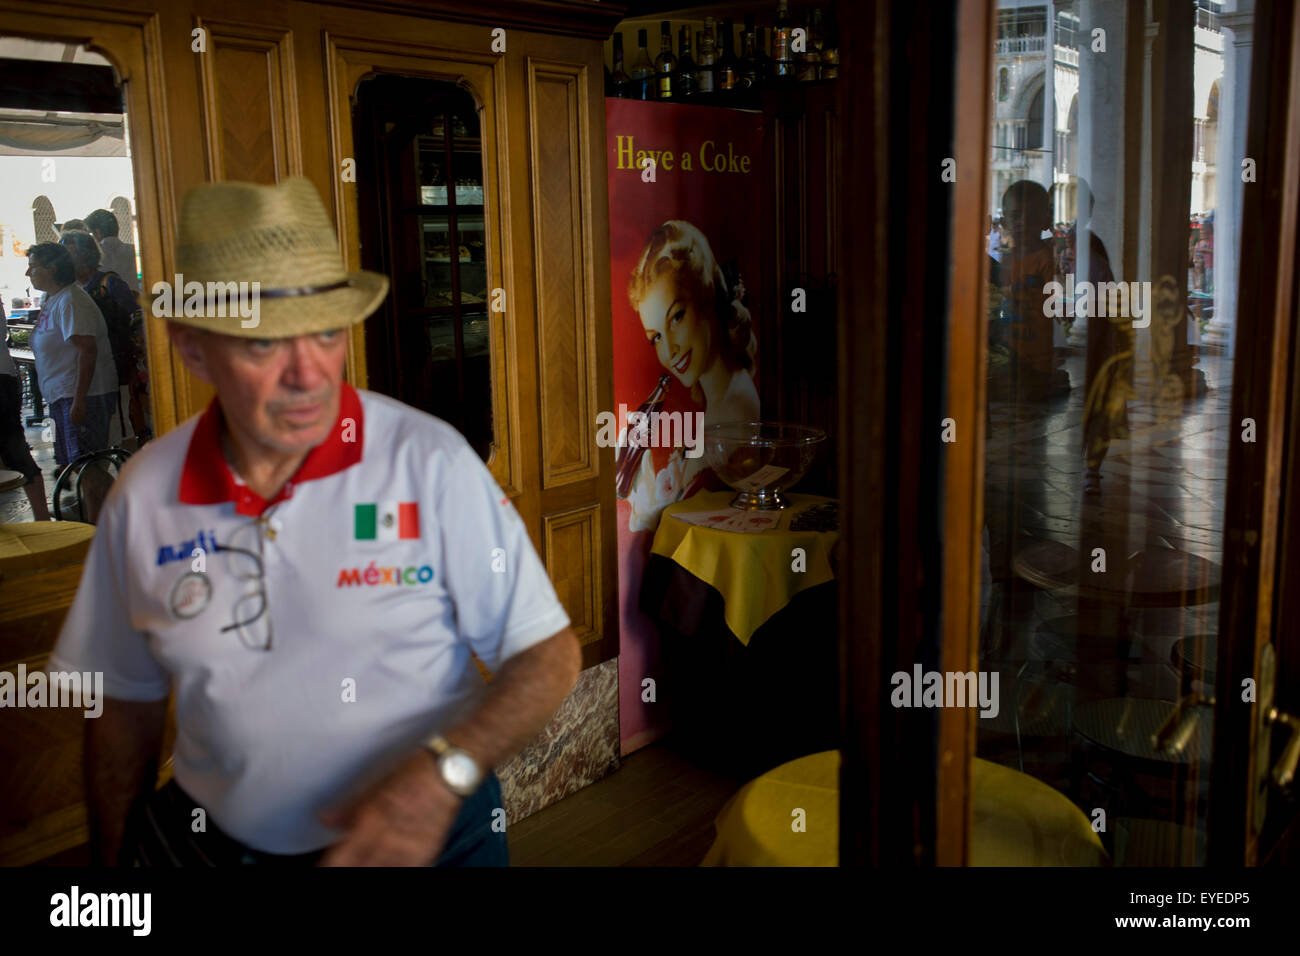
(303, 369)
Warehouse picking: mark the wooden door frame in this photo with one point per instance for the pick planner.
(898, 808)
(904, 795)
(1263, 495)
(132, 42)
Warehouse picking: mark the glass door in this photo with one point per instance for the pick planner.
(436, 345)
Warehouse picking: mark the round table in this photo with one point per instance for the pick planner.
(1128, 724)
(1019, 820)
(1152, 578)
(30, 546)
(757, 573)
(11, 480)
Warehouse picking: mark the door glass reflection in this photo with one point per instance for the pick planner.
(1112, 250)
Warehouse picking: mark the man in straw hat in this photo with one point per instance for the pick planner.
(309, 568)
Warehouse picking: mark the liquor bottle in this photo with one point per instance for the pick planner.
(619, 79)
(831, 49)
(665, 63)
(764, 61)
(684, 81)
(704, 70)
(629, 454)
(749, 78)
(810, 59)
(727, 69)
(782, 65)
(642, 86)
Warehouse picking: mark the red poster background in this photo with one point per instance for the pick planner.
(719, 194)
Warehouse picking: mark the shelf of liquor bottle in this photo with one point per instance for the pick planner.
(732, 50)
(463, 213)
(468, 307)
(467, 197)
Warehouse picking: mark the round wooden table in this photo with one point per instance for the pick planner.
(1128, 724)
(11, 480)
(27, 547)
(1151, 578)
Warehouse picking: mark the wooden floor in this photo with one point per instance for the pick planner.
(657, 809)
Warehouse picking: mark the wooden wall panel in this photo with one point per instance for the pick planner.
(559, 143)
(571, 549)
(250, 109)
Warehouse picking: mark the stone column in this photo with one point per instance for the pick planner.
(1102, 132)
(1234, 102)
(1168, 169)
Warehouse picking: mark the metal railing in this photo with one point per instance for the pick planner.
(1010, 46)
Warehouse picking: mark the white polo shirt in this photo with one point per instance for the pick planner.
(381, 574)
(65, 313)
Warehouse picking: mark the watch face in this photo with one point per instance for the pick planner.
(460, 771)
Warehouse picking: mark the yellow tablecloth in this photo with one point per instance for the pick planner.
(752, 572)
(1019, 820)
(30, 546)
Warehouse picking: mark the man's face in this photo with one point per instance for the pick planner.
(279, 394)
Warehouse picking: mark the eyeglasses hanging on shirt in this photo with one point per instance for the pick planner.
(249, 612)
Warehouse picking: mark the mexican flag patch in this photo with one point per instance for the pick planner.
(387, 521)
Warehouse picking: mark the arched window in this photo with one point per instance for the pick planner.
(1034, 135)
(1004, 84)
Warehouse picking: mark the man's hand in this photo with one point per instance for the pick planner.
(403, 821)
(77, 413)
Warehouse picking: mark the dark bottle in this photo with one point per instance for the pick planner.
(727, 70)
(629, 454)
(810, 60)
(831, 49)
(619, 80)
(760, 54)
(642, 86)
(749, 78)
(684, 81)
(782, 64)
(665, 63)
(704, 76)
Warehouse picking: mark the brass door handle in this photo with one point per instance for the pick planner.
(1284, 771)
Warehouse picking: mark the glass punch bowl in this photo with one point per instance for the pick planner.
(760, 460)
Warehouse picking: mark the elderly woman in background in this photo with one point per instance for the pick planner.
(121, 311)
(74, 361)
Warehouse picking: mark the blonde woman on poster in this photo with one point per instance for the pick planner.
(702, 335)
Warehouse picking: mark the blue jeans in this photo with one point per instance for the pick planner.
(160, 835)
(472, 841)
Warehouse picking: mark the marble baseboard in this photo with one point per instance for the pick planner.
(578, 747)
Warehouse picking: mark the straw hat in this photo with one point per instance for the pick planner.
(281, 237)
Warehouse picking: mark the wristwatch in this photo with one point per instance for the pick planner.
(459, 771)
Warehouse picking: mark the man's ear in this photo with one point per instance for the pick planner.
(188, 342)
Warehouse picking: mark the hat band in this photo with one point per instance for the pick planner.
(302, 290)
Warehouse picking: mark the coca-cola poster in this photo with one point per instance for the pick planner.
(684, 245)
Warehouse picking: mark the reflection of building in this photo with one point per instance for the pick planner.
(1036, 110)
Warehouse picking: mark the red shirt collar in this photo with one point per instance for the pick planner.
(206, 479)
